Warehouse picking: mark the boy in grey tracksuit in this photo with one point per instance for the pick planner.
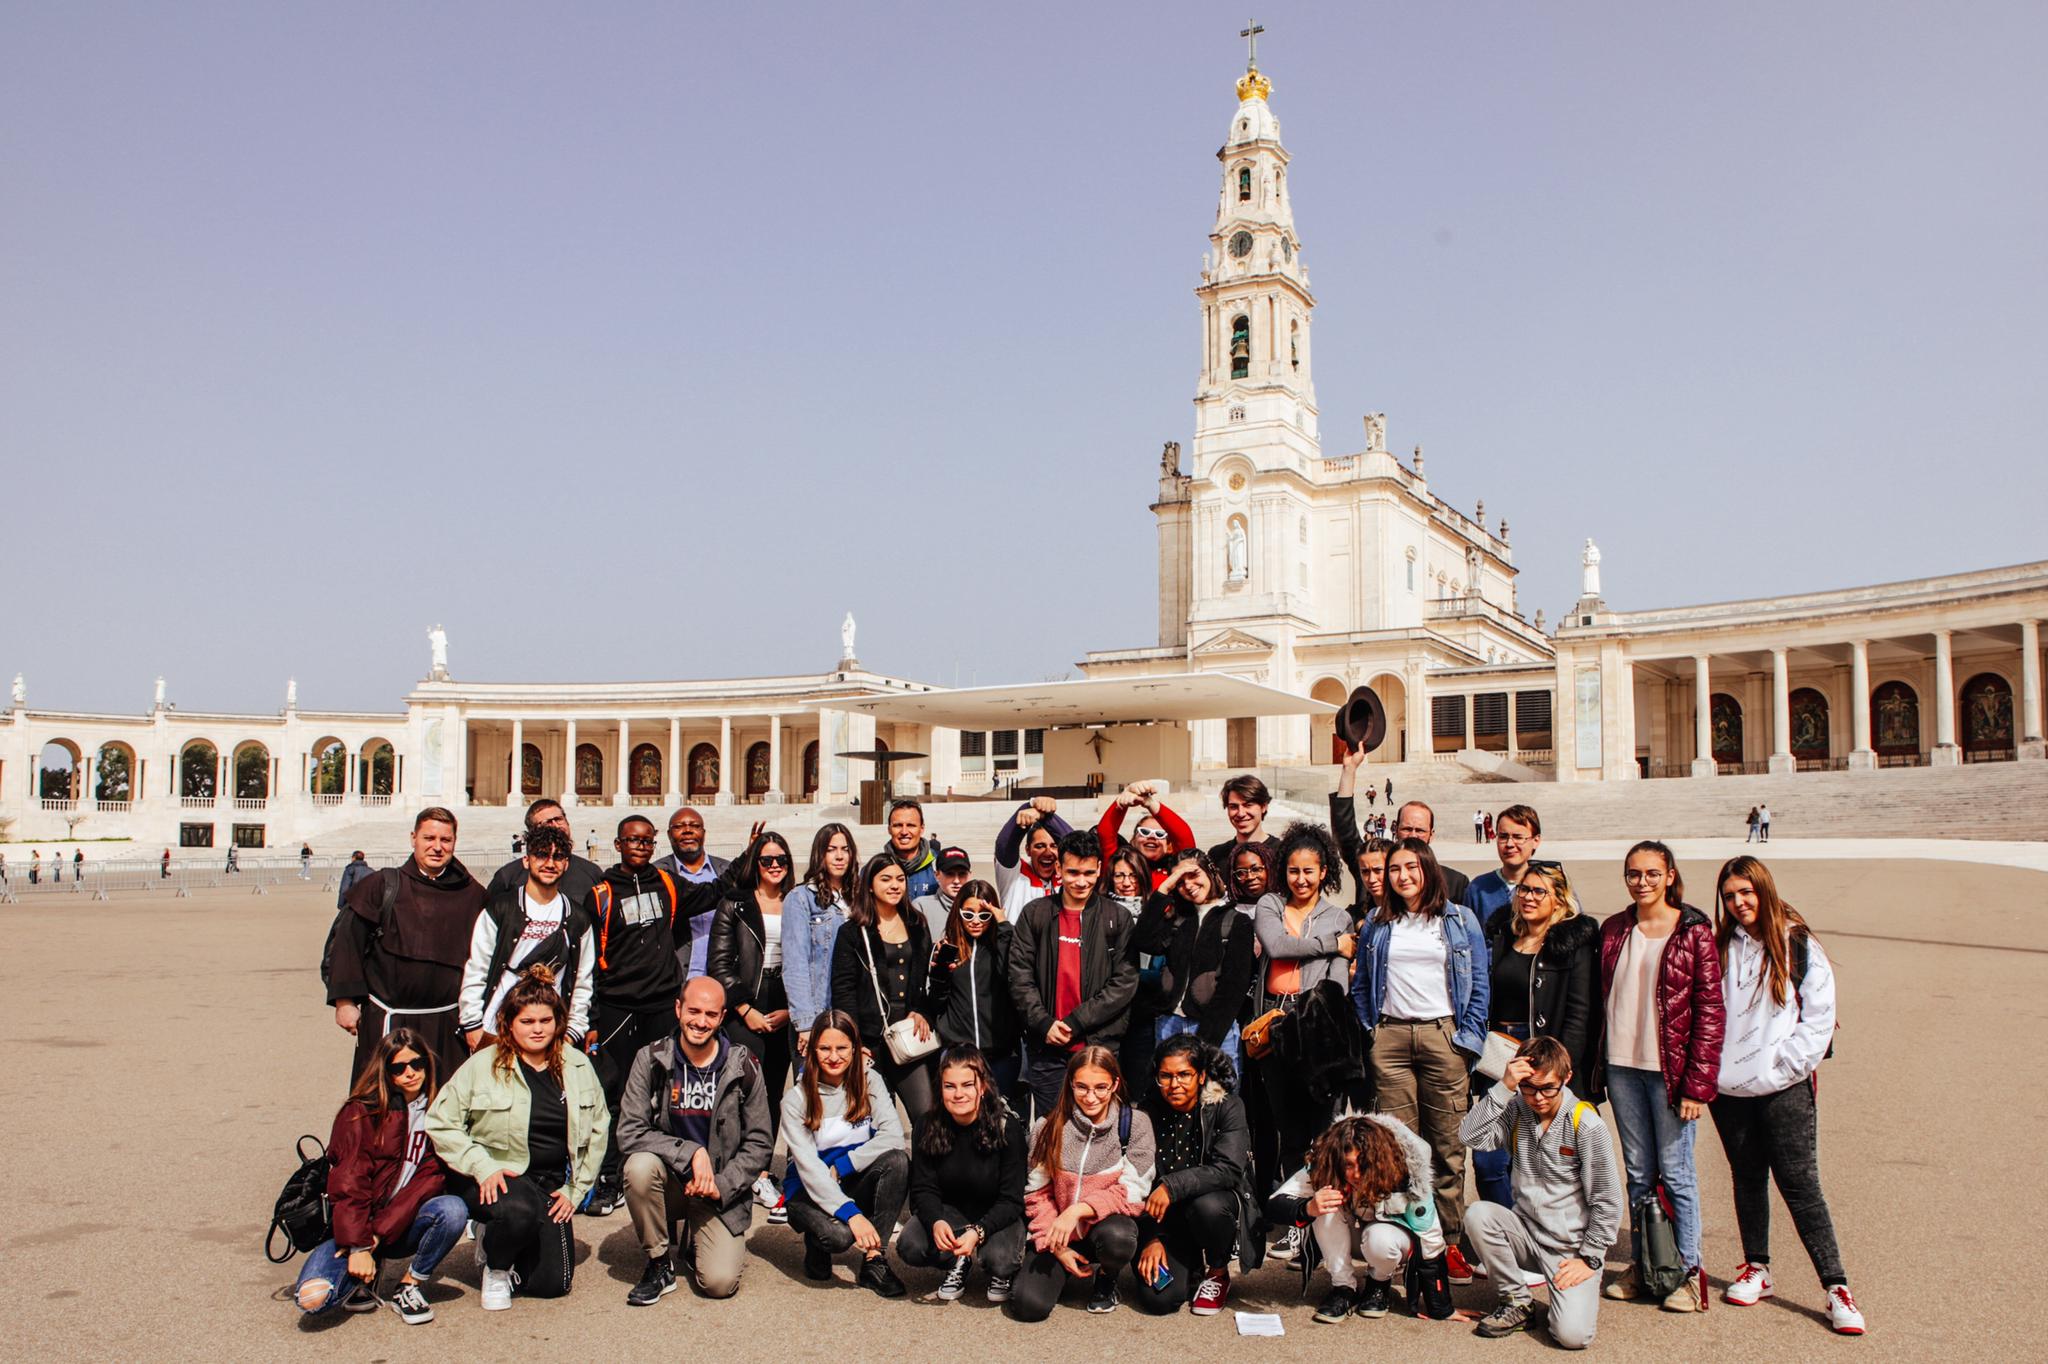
(1568, 1199)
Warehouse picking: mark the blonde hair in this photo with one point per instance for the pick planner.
(1564, 904)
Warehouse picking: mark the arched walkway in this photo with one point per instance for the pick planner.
(327, 768)
(1323, 744)
(252, 772)
(378, 775)
(59, 770)
(199, 771)
(115, 779)
(1393, 694)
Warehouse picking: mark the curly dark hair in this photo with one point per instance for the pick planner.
(1303, 836)
(1263, 852)
(546, 838)
(1210, 1061)
(1382, 1168)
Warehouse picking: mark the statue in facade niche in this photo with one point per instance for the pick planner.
(1169, 459)
(291, 693)
(1234, 553)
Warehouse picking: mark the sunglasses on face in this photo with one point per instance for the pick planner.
(774, 860)
(550, 859)
(975, 916)
(418, 1063)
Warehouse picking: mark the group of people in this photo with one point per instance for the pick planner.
(35, 866)
(1119, 1057)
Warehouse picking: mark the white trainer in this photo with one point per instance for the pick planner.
(767, 1192)
(497, 1293)
(1752, 1285)
(1843, 1314)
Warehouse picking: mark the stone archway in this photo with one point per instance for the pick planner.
(252, 771)
(60, 771)
(1808, 741)
(1984, 719)
(1323, 744)
(1393, 694)
(327, 767)
(379, 773)
(116, 777)
(198, 771)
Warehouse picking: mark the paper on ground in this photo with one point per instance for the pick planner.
(1259, 1324)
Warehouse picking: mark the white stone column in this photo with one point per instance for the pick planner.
(1945, 753)
(569, 765)
(774, 795)
(461, 793)
(1470, 704)
(619, 774)
(1781, 714)
(673, 769)
(1421, 730)
(515, 794)
(1626, 705)
(2032, 744)
(1703, 717)
(1861, 757)
(725, 796)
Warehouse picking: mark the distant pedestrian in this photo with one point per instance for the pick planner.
(56, 869)
(1390, 791)
(78, 864)
(232, 868)
(1478, 826)
(35, 865)
(1489, 828)
(1372, 794)
(3, 869)
(165, 872)
(1763, 822)
(305, 861)
(355, 871)
(1751, 836)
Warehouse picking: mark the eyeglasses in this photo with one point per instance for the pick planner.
(1539, 1091)
(418, 1063)
(773, 860)
(1533, 892)
(1177, 1078)
(638, 841)
(1514, 840)
(546, 859)
(1653, 874)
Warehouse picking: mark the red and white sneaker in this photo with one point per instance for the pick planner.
(1211, 1292)
(1454, 1263)
(1752, 1285)
(1843, 1314)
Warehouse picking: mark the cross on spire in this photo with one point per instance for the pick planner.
(1250, 35)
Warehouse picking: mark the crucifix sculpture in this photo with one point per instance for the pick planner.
(1250, 35)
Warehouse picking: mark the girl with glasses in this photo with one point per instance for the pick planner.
(1543, 961)
(847, 1166)
(1660, 989)
(969, 988)
(525, 1120)
(388, 1189)
(1198, 1215)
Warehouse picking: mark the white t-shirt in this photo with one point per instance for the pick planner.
(771, 942)
(415, 1139)
(541, 923)
(1632, 1003)
(1418, 980)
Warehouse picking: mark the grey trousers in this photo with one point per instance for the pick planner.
(1507, 1250)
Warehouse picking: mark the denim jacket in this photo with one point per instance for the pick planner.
(1465, 963)
(809, 931)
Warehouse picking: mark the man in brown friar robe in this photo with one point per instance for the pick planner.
(397, 956)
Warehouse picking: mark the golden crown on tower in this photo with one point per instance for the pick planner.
(1253, 85)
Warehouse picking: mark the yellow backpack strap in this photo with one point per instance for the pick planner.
(1578, 1109)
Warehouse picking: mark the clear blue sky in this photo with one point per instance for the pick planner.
(644, 341)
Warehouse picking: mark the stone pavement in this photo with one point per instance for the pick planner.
(165, 1053)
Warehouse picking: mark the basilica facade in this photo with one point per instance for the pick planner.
(1279, 563)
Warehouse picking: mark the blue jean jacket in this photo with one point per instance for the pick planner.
(809, 931)
(1466, 966)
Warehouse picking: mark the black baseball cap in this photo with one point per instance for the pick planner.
(954, 859)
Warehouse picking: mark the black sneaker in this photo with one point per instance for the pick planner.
(1376, 1298)
(1104, 1297)
(817, 1262)
(998, 1288)
(1340, 1304)
(411, 1305)
(955, 1282)
(357, 1297)
(876, 1275)
(605, 1199)
(657, 1283)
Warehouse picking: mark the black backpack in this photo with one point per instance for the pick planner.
(302, 1213)
(390, 875)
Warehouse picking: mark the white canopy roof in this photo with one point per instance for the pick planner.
(1088, 701)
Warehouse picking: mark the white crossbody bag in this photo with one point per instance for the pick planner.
(905, 1045)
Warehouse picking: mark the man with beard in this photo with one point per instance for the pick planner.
(576, 881)
(536, 925)
(397, 952)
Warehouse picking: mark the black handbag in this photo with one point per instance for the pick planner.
(303, 1212)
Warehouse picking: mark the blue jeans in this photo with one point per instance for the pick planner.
(1656, 1144)
(1493, 1171)
(435, 1229)
(1173, 1025)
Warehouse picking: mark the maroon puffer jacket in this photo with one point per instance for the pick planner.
(1691, 1019)
(368, 1153)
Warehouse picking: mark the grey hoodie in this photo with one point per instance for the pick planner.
(1566, 1190)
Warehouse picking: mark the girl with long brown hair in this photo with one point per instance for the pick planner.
(967, 1182)
(847, 1161)
(525, 1119)
(969, 990)
(881, 974)
(386, 1186)
(1779, 989)
(1365, 1188)
(1660, 987)
(1091, 1169)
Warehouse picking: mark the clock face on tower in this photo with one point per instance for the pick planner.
(1241, 245)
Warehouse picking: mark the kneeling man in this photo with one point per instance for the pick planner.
(1568, 1198)
(694, 1128)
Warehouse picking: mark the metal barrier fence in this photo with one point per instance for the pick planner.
(257, 872)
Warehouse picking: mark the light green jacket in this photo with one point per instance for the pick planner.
(479, 1119)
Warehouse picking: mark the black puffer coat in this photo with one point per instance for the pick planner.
(1564, 989)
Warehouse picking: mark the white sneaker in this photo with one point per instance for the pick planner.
(1752, 1285)
(497, 1289)
(1843, 1314)
(1288, 1246)
(767, 1192)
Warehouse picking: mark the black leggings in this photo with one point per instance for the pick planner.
(1777, 1134)
(1109, 1245)
(1199, 1235)
(999, 1254)
(519, 1235)
(772, 1050)
(620, 1035)
(909, 1081)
